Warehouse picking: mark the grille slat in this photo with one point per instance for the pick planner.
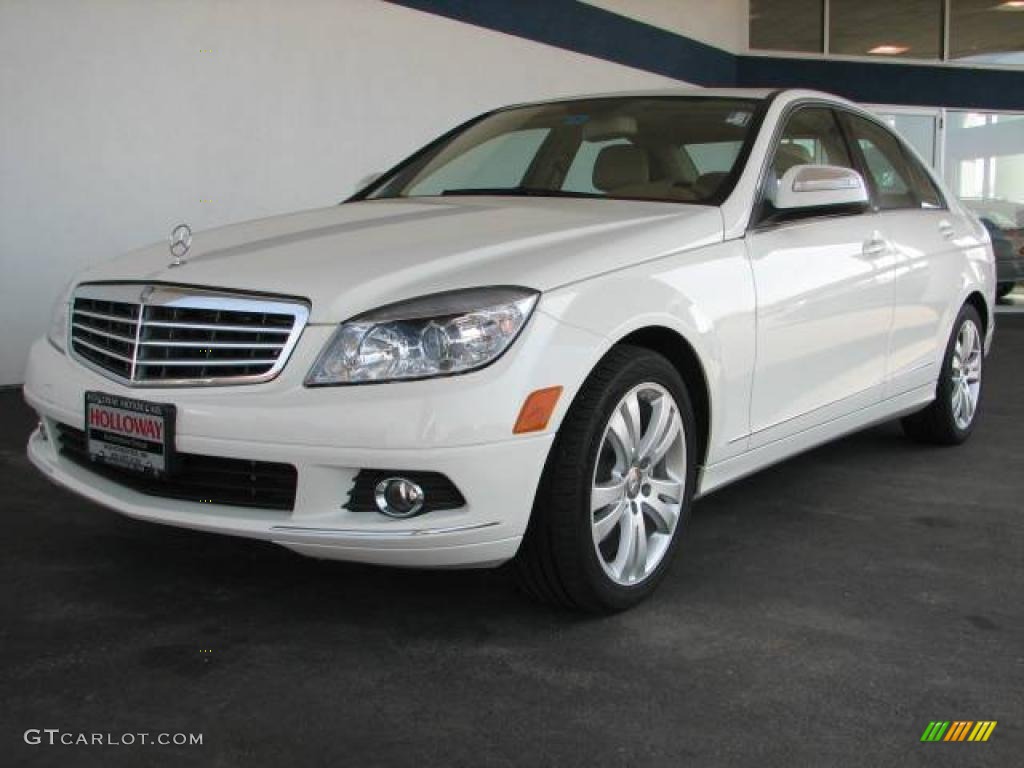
(108, 318)
(158, 335)
(198, 478)
(105, 334)
(102, 351)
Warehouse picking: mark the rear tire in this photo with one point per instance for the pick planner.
(1004, 289)
(610, 509)
(950, 418)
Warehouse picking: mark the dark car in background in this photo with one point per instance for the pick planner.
(1004, 221)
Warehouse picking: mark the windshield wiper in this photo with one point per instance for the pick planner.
(519, 192)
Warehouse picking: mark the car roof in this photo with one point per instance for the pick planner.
(693, 91)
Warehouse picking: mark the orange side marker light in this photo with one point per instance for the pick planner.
(537, 410)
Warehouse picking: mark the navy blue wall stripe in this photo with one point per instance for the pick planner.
(593, 31)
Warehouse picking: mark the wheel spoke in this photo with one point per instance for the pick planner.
(636, 561)
(631, 415)
(662, 513)
(605, 524)
(968, 404)
(662, 447)
(969, 339)
(673, 489)
(661, 416)
(974, 370)
(624, 426)
(627, 536)
(603, 495)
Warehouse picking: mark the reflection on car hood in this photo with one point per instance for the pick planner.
(350, 258)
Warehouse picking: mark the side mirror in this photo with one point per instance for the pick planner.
(805, 187)
(367, 181)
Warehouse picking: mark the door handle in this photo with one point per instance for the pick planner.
(876, 246)
(947, 230)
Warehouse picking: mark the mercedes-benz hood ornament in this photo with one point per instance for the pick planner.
(181, 241)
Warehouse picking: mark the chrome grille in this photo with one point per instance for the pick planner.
(154, 335)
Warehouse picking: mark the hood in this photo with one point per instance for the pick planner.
(355, 257)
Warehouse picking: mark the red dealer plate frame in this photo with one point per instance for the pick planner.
(130, 434)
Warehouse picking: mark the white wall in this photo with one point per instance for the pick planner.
(116, 123)
(722, 23)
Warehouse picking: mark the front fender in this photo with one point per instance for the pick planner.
(706, 296)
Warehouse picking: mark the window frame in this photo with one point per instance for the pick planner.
(760, 219)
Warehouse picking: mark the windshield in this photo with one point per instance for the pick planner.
(675, 149)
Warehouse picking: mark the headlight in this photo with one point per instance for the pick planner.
(57, 333)
(438, 335)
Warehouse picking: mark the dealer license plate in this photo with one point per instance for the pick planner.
(130, 434)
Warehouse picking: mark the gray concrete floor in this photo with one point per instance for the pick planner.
(821, 614)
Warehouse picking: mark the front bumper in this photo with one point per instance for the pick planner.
(487, 531)
(458, 427)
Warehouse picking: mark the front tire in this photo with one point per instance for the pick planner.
(950, 418)
(1004, 289)
(615, 496)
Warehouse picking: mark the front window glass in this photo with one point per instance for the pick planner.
(889, 173)
(498, 162)
(811, 136)
(675, 149)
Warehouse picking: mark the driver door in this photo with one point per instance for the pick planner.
(824, 288)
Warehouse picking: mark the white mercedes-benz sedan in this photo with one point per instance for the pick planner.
(538, 338)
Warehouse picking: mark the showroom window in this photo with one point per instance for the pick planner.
(918, 128)
(904, 29)
(980, 31)
(987, 31)
(787, 25)
(985, 160)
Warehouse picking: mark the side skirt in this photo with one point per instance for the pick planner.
(719, 475)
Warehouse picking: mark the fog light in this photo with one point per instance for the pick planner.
(398, 497)
(42, 432)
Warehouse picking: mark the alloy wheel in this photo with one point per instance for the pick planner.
(966, 364)
(639, 484)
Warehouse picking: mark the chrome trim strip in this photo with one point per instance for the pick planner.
(100, 316)
(199, 362)
(211, 344)
(142, 295)
(362, 534)
(213, 327)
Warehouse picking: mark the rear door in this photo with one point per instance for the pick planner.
(924, 235)
(824, 296)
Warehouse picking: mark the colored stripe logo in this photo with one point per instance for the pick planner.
(958, 730)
